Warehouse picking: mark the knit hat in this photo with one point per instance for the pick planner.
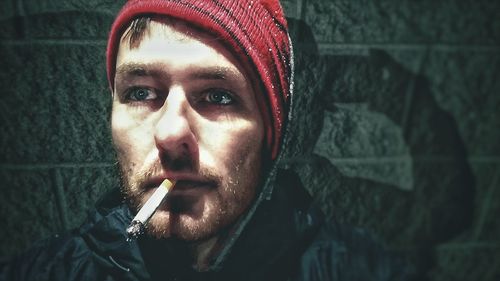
(255, 29)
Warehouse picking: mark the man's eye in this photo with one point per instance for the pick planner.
(219, 97)
(141, 94)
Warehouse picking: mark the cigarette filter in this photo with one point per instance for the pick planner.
(138, 224)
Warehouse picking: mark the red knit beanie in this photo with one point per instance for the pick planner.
(255, 29)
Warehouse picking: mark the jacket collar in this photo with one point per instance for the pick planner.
(265, 242)
(275, 234)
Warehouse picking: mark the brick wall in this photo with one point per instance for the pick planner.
(396, 130)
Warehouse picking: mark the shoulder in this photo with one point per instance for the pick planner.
(45, 259)
(82, 254)
(347, 253)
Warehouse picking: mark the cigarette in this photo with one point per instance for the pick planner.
(138, 224)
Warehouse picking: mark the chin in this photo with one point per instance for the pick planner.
(164, 224)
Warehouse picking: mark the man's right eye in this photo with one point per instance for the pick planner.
(140, 94)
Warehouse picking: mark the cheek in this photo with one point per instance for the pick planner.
(231, 146)
(130, 139)
(243, 170)
(120, 130)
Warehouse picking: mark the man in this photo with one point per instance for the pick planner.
(201, 94)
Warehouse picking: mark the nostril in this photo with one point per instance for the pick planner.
(183, 163)
(177, 159)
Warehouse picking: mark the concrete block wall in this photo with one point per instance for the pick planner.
(395, 131)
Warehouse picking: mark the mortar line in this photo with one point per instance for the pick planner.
(20, 8)
(61, 199)
(408, 103)
(410, 95)
(45, 166)
(24, 21)
(298, 159)
(468, 245)
(486, 205)
(72, 42)
(393, 159)
(300, 9)
(324, 47)
(295, 28)
(453, 246)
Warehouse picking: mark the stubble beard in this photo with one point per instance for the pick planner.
(217, 213)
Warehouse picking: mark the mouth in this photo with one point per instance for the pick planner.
(183, 185)
(185, 197)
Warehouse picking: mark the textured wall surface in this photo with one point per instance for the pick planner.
(397, 122)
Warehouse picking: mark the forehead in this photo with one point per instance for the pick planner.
(176, 44)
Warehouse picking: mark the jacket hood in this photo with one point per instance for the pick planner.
(265, 195)
(266, 200)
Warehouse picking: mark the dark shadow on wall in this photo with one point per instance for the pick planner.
(436, 206)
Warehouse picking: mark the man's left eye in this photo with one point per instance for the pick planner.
(219, 97)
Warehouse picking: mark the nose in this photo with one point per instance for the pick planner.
(174, 137)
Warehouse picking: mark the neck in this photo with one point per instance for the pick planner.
(202, 252)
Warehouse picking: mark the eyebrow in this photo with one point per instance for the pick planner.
(213, 73)
(154, 69)
(136, 69)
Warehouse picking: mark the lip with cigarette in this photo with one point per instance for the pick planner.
(138, 224)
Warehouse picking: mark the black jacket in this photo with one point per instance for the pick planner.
(284, 239)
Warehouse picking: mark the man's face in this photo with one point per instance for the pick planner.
(185, 109)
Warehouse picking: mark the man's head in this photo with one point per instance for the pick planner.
(197, 99)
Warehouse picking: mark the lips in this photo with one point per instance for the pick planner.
(185, 196)
(182, 183)
(187, 184)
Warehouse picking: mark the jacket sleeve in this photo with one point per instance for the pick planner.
(65, 258)
(97, 250)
